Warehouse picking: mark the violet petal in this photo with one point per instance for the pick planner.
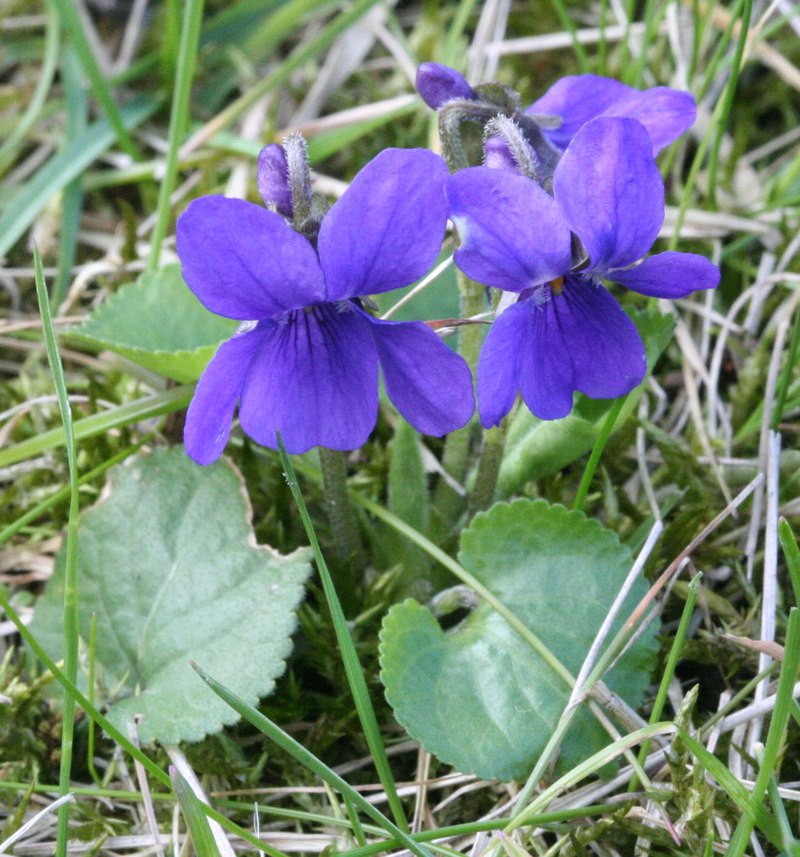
(430, 385)
(512, 232)
(582, 341)
(314, 379)
(665, 113)
(669, 275)
(500, 362)
(387, 229)
(245, 262)
(208, 420)
(577, 99)
(611, 192)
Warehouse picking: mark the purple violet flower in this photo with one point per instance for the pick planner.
(566, 332)
(307, 367)
(577, 99)
(665, 113)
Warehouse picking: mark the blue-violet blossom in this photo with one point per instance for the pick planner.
(307, 365)
(665, 113)
(577, 99)
(566, 332)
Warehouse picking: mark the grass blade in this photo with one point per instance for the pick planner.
(770, 759)
(62, 168)
(178, 120)
(72, 201)
(71, 19)
(71, 690)
(352, 666)
(196, 819)
(71, 572)
(792, 555)
(155, 405)
(46, 74)
(309, 761)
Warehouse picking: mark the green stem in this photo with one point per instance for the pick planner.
(342, 519)
(352, 665)
(455, 458)
(482, 496)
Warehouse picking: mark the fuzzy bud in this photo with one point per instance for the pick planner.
(273, 179)
(438, 84)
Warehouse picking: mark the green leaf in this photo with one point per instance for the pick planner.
(438, 300)
(536, 448)
(479, 697)
(169, 565)
(158, 323)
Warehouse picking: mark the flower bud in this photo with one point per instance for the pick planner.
(438, 84)
(273, 179)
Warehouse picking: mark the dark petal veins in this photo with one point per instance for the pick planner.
(208, 420)
(314, 379)
(578, 341)
(500, 362)
(584, 342)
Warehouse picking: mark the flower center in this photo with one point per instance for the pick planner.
(557, 286)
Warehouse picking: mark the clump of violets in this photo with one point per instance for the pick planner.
(568, 195)
(563, 195)
(305, 362)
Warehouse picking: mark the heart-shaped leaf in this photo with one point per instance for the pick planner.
(158, 323)
(480, 697)
(168, 564)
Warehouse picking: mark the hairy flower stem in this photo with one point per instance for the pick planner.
(482, 496)
(455, 459)
(344, 527)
